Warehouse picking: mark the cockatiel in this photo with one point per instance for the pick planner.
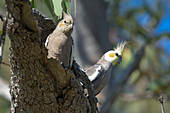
(99, 73)
(60, 44)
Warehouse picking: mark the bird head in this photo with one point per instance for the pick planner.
(115, 56)
(66, 25)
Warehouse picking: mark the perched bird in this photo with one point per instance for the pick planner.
(100, 72)
(60, 44)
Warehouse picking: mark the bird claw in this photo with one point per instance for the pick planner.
(65, 67)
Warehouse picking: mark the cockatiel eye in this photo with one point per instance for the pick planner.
(117, 54)
(68, 22)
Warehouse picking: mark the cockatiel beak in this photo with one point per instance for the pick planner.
(119, 60)
(71, 26)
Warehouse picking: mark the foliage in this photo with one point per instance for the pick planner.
(56, 7)
(142, 22)
(138, 24)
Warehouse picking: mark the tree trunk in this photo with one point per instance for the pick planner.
(38, 84)
(91, 30)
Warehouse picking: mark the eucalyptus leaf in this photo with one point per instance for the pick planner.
(58, 7)
(66, 4)
(50, 6)
(32, 3)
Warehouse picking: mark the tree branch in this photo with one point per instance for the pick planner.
(87, 83)
(6, 64)
(37, 81)
(45, 24)
(137, 96)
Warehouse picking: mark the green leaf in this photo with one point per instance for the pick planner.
(153, 86)
(134, 77)
(66, 6)
(58, 7)
(32, 3)
(50, 6)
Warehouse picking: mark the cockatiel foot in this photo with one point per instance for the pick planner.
(65, 67)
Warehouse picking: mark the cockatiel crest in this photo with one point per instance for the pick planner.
(120, 47)
(60, 44)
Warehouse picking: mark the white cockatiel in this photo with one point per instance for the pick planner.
(60, 44)
(99, 73)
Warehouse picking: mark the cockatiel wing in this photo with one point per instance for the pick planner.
(60, 47)
(94, 71)
(72, 54)
(46, 42)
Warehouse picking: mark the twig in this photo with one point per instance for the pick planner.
(2, 40)
(136, 96)
(161, 101)
(6, 64)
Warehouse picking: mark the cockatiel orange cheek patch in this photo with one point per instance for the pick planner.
(111, 54)
(61, 24)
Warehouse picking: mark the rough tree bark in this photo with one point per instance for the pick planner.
(39, 84)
